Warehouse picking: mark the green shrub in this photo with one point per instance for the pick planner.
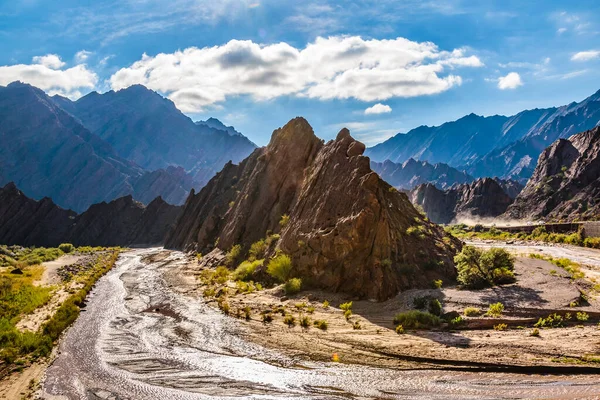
(300, 306)
(416, 231)
(221, 274)
(310, 309)
(551, 321)
(289, 320)
(233, 255)
(347, 314)
(420, 302)
(582, 316)
(435, 307)
(416, 320)
(480, 268)
(66, 247)
(346, 306)
(321, 324)
(257, 250)
(456, 322)
(437, 284)
(535, 332)
(280, 267)
(304, 321)
(247, 313)
(472, 311)
(399, 329)
(325, 304)
(285, 219)
(356, 326)
(267, 317)
(495, 310)
(500, 327)
(292, 286)
(246, 269)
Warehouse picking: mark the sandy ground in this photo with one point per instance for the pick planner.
(537, 293)
(50, 276)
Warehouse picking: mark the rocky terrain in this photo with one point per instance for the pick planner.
(344, 228)
(483, 198)
(492, 146)
(122, 222)
(146, 128)
(412, 173)
(566, 182)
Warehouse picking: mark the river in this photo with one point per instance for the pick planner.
(139, 339)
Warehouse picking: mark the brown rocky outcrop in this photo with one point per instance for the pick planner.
(122, 222)
(348, 230)
(566, 182)
(483, 198)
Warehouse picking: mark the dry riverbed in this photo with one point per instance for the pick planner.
(368, 336)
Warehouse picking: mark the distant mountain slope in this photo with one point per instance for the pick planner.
(412, 173)
(491, 146)
(146, 128)
(566, 182)
(48, 153)
(216, 124)
(483, 198)
(122, 222)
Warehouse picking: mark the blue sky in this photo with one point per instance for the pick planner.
(377, 67)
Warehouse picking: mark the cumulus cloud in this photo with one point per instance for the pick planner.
(337, 67)
(378, 109)
(51, 61)
(48, 74)
(510, 81)
(586, 55)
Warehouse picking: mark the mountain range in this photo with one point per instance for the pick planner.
(506, 147)
(412, 173)
(102, 147)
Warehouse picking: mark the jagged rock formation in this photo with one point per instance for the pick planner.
(348, 230)
(483, 198)
(47, 152)
(412, 173)
(492, 146)
(146, 128)
(214, 123)
(566, 182)
(122, 222)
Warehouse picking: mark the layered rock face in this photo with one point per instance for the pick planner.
(122, 222)
(566, 182)
(483, 198)
(348, 230)
(413, 173)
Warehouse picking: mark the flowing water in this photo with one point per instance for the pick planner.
(139, 339)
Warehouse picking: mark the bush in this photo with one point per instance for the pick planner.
(480, 268)
(420, 302)
(356, 326)
(535, 332)
(310, 309)
(347, 314)
(472, 311)
(321, 324)
(456, 322)
(346, 306)
(495, 310)
(285, 219)
(500, 327)
(435, 307)
(582, 316)
(304, 322)
(280, 267)
(247, 313)
(233, 255)
(66, 247)
(437, 284)
(267, 317)
(325, 304)
(416, 320)
(399, 329)
(246, 269)
(551, 321)
(257, 250)
(289, 320)
(293, 286)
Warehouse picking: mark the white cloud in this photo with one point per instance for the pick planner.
(560, 31)
(82, 56)
(586, 55)
(51, 61)
(47, 75)
(378, 109)
(510, 81)
(337, 67)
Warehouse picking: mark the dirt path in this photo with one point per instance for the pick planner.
(50, 276)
